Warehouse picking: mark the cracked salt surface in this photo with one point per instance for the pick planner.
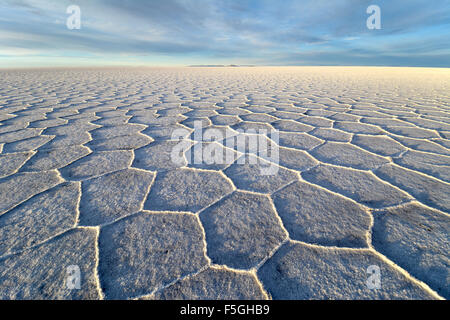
(87, 179)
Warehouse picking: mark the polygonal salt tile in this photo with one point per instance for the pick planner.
(297, 271)
(167, 132)
(296, 159)
(200, 113)
(23, 118)
(322, 113)
(151, 120)
(369, 113)
(197, 123)
(411, 132)
(214, 284)
(258, 117)
(361, 186)
(71, 128)
(233, 111)
(12, 127)
(286, 115)
(212, 133)
(316, 121)
(248, 173)
(432, 164)
(44, 272)
(10, 163)
(298, 140)
(348, 155)
(252, 127)
(225, 120)
(186, 190)
(356, 127)
(291, 126)
(64, 141)
(443, 142)
(112, 121)
(117, 131)
(120, 143)
(428, 124)
(260, 109)
(291, 108)
(382, 145)
(312, 214)
(141, 253)
(259, 144)
(83, 117)
(114, 195)
(335, 109)
(174, 111)
(50, 159)
(426, 189)
(423, 145)
(97, 163)
(386, 122)
(258, 102)
(345, 117)
(19, 135)
(39, 218)
(21, 186)
(111, 113)
(164, 102)
(416, 238)
(162, 155)
(330, 134)
(141, 111)
(47, 123)
(27, 144)
(241, 230)
(210, 155)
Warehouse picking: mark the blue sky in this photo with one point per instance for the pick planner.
(259, 32)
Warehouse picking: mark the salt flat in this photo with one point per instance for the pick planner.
(363, 179)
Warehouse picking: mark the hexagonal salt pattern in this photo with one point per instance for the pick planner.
(88, 179)
(40, 218)
(113, 195)
(241, 230)
(299, 271)
(187, 190)
(142, 253)
(41, 272)
(214, 284)
(416, 238)
(315, 215)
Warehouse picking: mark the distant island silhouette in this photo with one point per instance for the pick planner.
(221, 65)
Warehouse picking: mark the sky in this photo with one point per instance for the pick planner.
(34, 33)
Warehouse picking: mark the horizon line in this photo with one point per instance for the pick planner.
(215, 66)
